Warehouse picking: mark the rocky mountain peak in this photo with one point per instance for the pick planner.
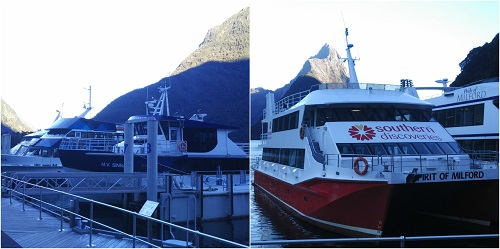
(326, 66)
(227, 42)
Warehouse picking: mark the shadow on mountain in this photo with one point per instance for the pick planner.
(219, 89)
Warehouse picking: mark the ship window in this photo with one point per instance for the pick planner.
(461, 116)
(377, 149)
(393, 149)
(402, 115)
(344, 115)
(345, 149)
(456, 147)
(407, 148)
(165, 128)
(320, 118)
(361, 149)
(421, 148)
(200, 139)
(287, 156)
(479, 114)
(434, 148)
(446, 148)
(287, 122)
(358, 115)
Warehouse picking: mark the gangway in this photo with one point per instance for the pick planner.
(85, 182)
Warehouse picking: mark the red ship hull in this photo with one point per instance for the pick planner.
(372, 209)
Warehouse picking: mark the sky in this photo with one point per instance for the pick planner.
(419, 40)
(53, 50)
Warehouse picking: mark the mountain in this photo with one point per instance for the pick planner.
(11, 123)
(214, 80)
(480, 63)
(324, 67)
(227, 42)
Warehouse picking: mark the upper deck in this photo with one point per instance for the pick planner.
(336, 93)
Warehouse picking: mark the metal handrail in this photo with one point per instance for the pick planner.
(402, 239)
(13, 190)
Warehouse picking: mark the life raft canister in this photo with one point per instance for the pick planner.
(182, 146)
(356, 166)
(302, 130)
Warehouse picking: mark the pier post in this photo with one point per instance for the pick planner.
(152, 160)
(128, 161)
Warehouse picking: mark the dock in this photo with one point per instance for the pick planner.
(182, 199)
(28, 231)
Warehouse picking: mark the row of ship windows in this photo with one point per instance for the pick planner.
(286, 156)
(479, 145)
(363, 113)
(295, 157)
(453, 117)
(381, 149)
(461, 116)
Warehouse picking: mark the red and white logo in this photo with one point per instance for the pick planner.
(361, 132)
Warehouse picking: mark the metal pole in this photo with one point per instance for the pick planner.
(231, 194)
(91, 221)
(10, 187)
(129, 148)
(134, 227)
(152, 160)
(40, 213)
(24, 194)
(402, 241)
(60, 230)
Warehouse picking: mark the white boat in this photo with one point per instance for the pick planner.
(183, 145)
(38, 151)
(470, 114)
(369, 160)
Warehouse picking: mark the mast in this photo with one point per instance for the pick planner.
(160, 106)
(89, 107)
(353, 78)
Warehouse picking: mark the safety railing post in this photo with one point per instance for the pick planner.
(60, 230)
(134, 227)
(24, 195)
(90, 223)
(10, 188)
(402, 243)
(40, 211)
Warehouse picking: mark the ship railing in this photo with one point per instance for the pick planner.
(401, 163)
(291, 100)
(70, 214)
(483, 159)
(245, 147)
(317, 155)
(96, 144)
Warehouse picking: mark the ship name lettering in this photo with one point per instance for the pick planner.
(468, 175)
(429, 177)
(471, 94)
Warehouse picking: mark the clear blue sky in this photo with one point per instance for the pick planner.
(52, 49)
(419, 40)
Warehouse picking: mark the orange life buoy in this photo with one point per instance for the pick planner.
(302, 132)
(356, 166)
(182, 146)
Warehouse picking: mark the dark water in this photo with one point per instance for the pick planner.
(271, 222)
(236, 230)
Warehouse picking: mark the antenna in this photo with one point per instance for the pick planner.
(89, 107)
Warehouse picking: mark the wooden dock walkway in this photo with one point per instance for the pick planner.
(25, 228)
